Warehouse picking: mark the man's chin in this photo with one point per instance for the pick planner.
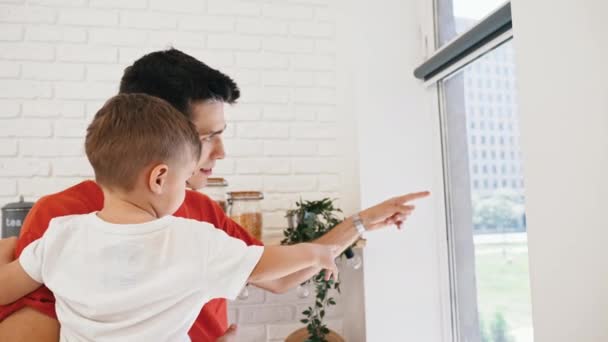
(197, 182)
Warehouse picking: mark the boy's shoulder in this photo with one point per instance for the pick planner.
(64, 227)
(82, 198)
(192, 224)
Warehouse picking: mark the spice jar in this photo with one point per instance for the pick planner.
(216, 190)
(245, 209)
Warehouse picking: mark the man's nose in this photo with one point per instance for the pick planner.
(218, 151)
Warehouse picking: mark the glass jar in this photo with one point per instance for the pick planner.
(245, 209)
(216, 190)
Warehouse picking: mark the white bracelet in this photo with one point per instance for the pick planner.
(359, 226)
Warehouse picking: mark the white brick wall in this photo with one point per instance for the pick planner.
(61, 59)
(265, 316)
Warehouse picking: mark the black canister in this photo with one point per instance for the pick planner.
(13, 215)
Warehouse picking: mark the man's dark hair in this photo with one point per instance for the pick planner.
(179, 79)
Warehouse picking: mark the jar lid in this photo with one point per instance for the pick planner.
(216, 182)
(245, 195)
(19, 205)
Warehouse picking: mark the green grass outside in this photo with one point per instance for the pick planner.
(503, 286)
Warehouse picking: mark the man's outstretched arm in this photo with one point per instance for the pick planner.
(393, 211)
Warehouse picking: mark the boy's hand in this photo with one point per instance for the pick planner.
(327, 255)
(393, 211)
(7, 249)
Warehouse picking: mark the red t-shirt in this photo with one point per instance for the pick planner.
(87, 197)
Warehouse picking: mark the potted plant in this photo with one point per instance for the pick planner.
(308, 221)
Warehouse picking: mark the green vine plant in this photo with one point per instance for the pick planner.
(307, 222)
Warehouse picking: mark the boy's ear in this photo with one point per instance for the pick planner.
(158, 178)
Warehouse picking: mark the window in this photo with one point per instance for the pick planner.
(489, 241)
(457, 16)
(486, 227)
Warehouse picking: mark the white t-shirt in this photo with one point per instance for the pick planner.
(140, 282)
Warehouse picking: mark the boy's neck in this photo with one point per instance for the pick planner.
(121, 208)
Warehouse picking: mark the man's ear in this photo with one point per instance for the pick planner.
(158, 178)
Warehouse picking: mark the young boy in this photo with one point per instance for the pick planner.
(132, 272)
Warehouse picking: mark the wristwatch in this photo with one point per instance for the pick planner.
(359, 226)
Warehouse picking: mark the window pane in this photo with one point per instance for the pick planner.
(457, 16)
(488, 229)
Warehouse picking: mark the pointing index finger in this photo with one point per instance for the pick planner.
(413, 196)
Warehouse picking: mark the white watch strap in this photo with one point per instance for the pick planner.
(359, 225)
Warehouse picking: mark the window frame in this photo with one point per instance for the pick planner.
(452, 310)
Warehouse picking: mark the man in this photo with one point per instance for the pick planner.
(199, 92)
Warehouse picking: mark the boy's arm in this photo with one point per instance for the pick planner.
(37, 309)
(278, 262)
(16, 283)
